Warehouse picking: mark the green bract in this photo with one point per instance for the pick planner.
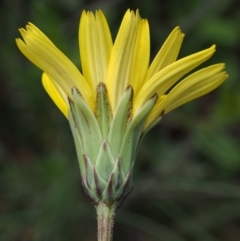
(107, 144)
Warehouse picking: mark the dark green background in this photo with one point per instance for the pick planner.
(187, 174)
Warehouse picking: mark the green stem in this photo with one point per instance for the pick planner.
(105, 217)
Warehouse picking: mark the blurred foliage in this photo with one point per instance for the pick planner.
(187, 174)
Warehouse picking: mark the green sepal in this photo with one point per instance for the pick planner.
(103, 109)
(119, 122)
(87, 170)
(105, 162)
(115, 181)
(98, 184)
(92, 196)
(76, 133)
(133, 134)
(88, 126)
(108, 194)
(124, 189)
(118, 174)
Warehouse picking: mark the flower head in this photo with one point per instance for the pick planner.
(119, 96)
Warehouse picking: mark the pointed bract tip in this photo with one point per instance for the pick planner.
(154, 97)
(129, 88)
(101, 87)
(75, 91)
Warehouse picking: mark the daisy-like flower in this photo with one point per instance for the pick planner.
(118, 97)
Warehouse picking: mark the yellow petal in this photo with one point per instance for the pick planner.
(167, 77)
(197, 84)
(57, 95)
(95, 43)
(43, 53)
(140, 56)
(167, 54)
(121, 57)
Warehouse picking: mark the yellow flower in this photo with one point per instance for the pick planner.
(117, 98)
(120, 64)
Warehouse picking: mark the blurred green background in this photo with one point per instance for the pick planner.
(187, 174)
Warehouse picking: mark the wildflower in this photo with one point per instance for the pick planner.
(119, 96)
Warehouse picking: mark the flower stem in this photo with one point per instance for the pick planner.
(105, 217)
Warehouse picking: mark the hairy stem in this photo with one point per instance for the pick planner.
(105, 217)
